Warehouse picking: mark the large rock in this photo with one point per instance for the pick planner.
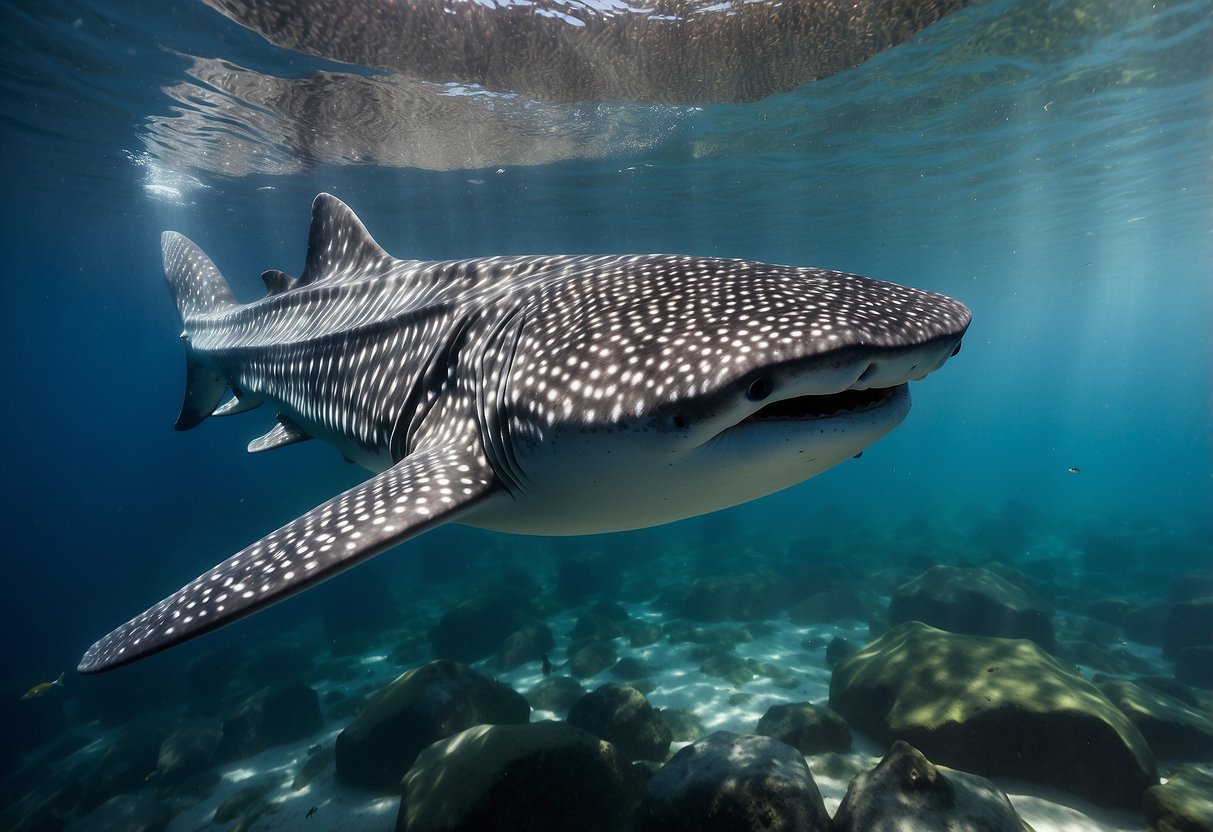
(1183, 804)
(188, 749)
(541, 777)
(271, 716)
(806, 727)
(529, 643)
(1173, 729)
(974, 601)
(420, 707)
(996, 707)
(906, 791)
(590, 658)
(734, 783)
(623, 717)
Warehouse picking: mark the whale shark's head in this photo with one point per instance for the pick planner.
(672, 386)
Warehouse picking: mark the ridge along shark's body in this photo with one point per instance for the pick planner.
(542, 395)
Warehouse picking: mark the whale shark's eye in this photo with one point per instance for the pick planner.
(759, 389)
(680, 422)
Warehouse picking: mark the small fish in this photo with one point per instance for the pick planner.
(42, 687)
(1074, 470)
(147, 778)
(311, 812)
(547, 665)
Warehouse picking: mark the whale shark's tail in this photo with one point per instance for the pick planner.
(199, 289)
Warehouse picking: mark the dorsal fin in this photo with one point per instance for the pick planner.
(277, 282)
(338, 243)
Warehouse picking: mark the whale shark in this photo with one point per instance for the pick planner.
(547, 395)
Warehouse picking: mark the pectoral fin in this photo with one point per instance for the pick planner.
(284, 432)
(426, 489)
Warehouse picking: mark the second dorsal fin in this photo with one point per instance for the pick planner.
(277, 282)
(339, 244)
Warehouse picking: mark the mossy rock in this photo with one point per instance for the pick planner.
(734, 782)
(539, 776)
(1183, 804)
(590, 658)
(994, 707)
(1172, 728)
(418, 708)
(529, 643)
(622, 716)
(906, 791)
(808, 728)
(975, 601)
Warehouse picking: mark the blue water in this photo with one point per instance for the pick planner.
(1048, 163)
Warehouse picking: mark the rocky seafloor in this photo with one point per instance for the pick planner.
(1065, 685)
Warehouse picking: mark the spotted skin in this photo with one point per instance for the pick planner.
(542, 395)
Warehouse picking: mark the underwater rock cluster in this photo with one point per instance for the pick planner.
(696, 704)
(422, 706)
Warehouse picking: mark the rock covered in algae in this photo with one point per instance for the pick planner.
(734, 783)
(1183, 804)
(808, 728)
(995, 707)
(1173, 729)
(541, 777)
(621, 715)
(907, 791)
(973, 600)
(419, 707)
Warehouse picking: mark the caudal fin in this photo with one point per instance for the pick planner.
(199, 289)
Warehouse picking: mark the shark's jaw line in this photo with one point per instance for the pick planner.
(828, 406)
(542, 395)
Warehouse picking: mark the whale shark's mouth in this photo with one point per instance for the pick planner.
(828, 406)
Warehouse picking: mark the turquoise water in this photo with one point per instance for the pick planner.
(1047, 163)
